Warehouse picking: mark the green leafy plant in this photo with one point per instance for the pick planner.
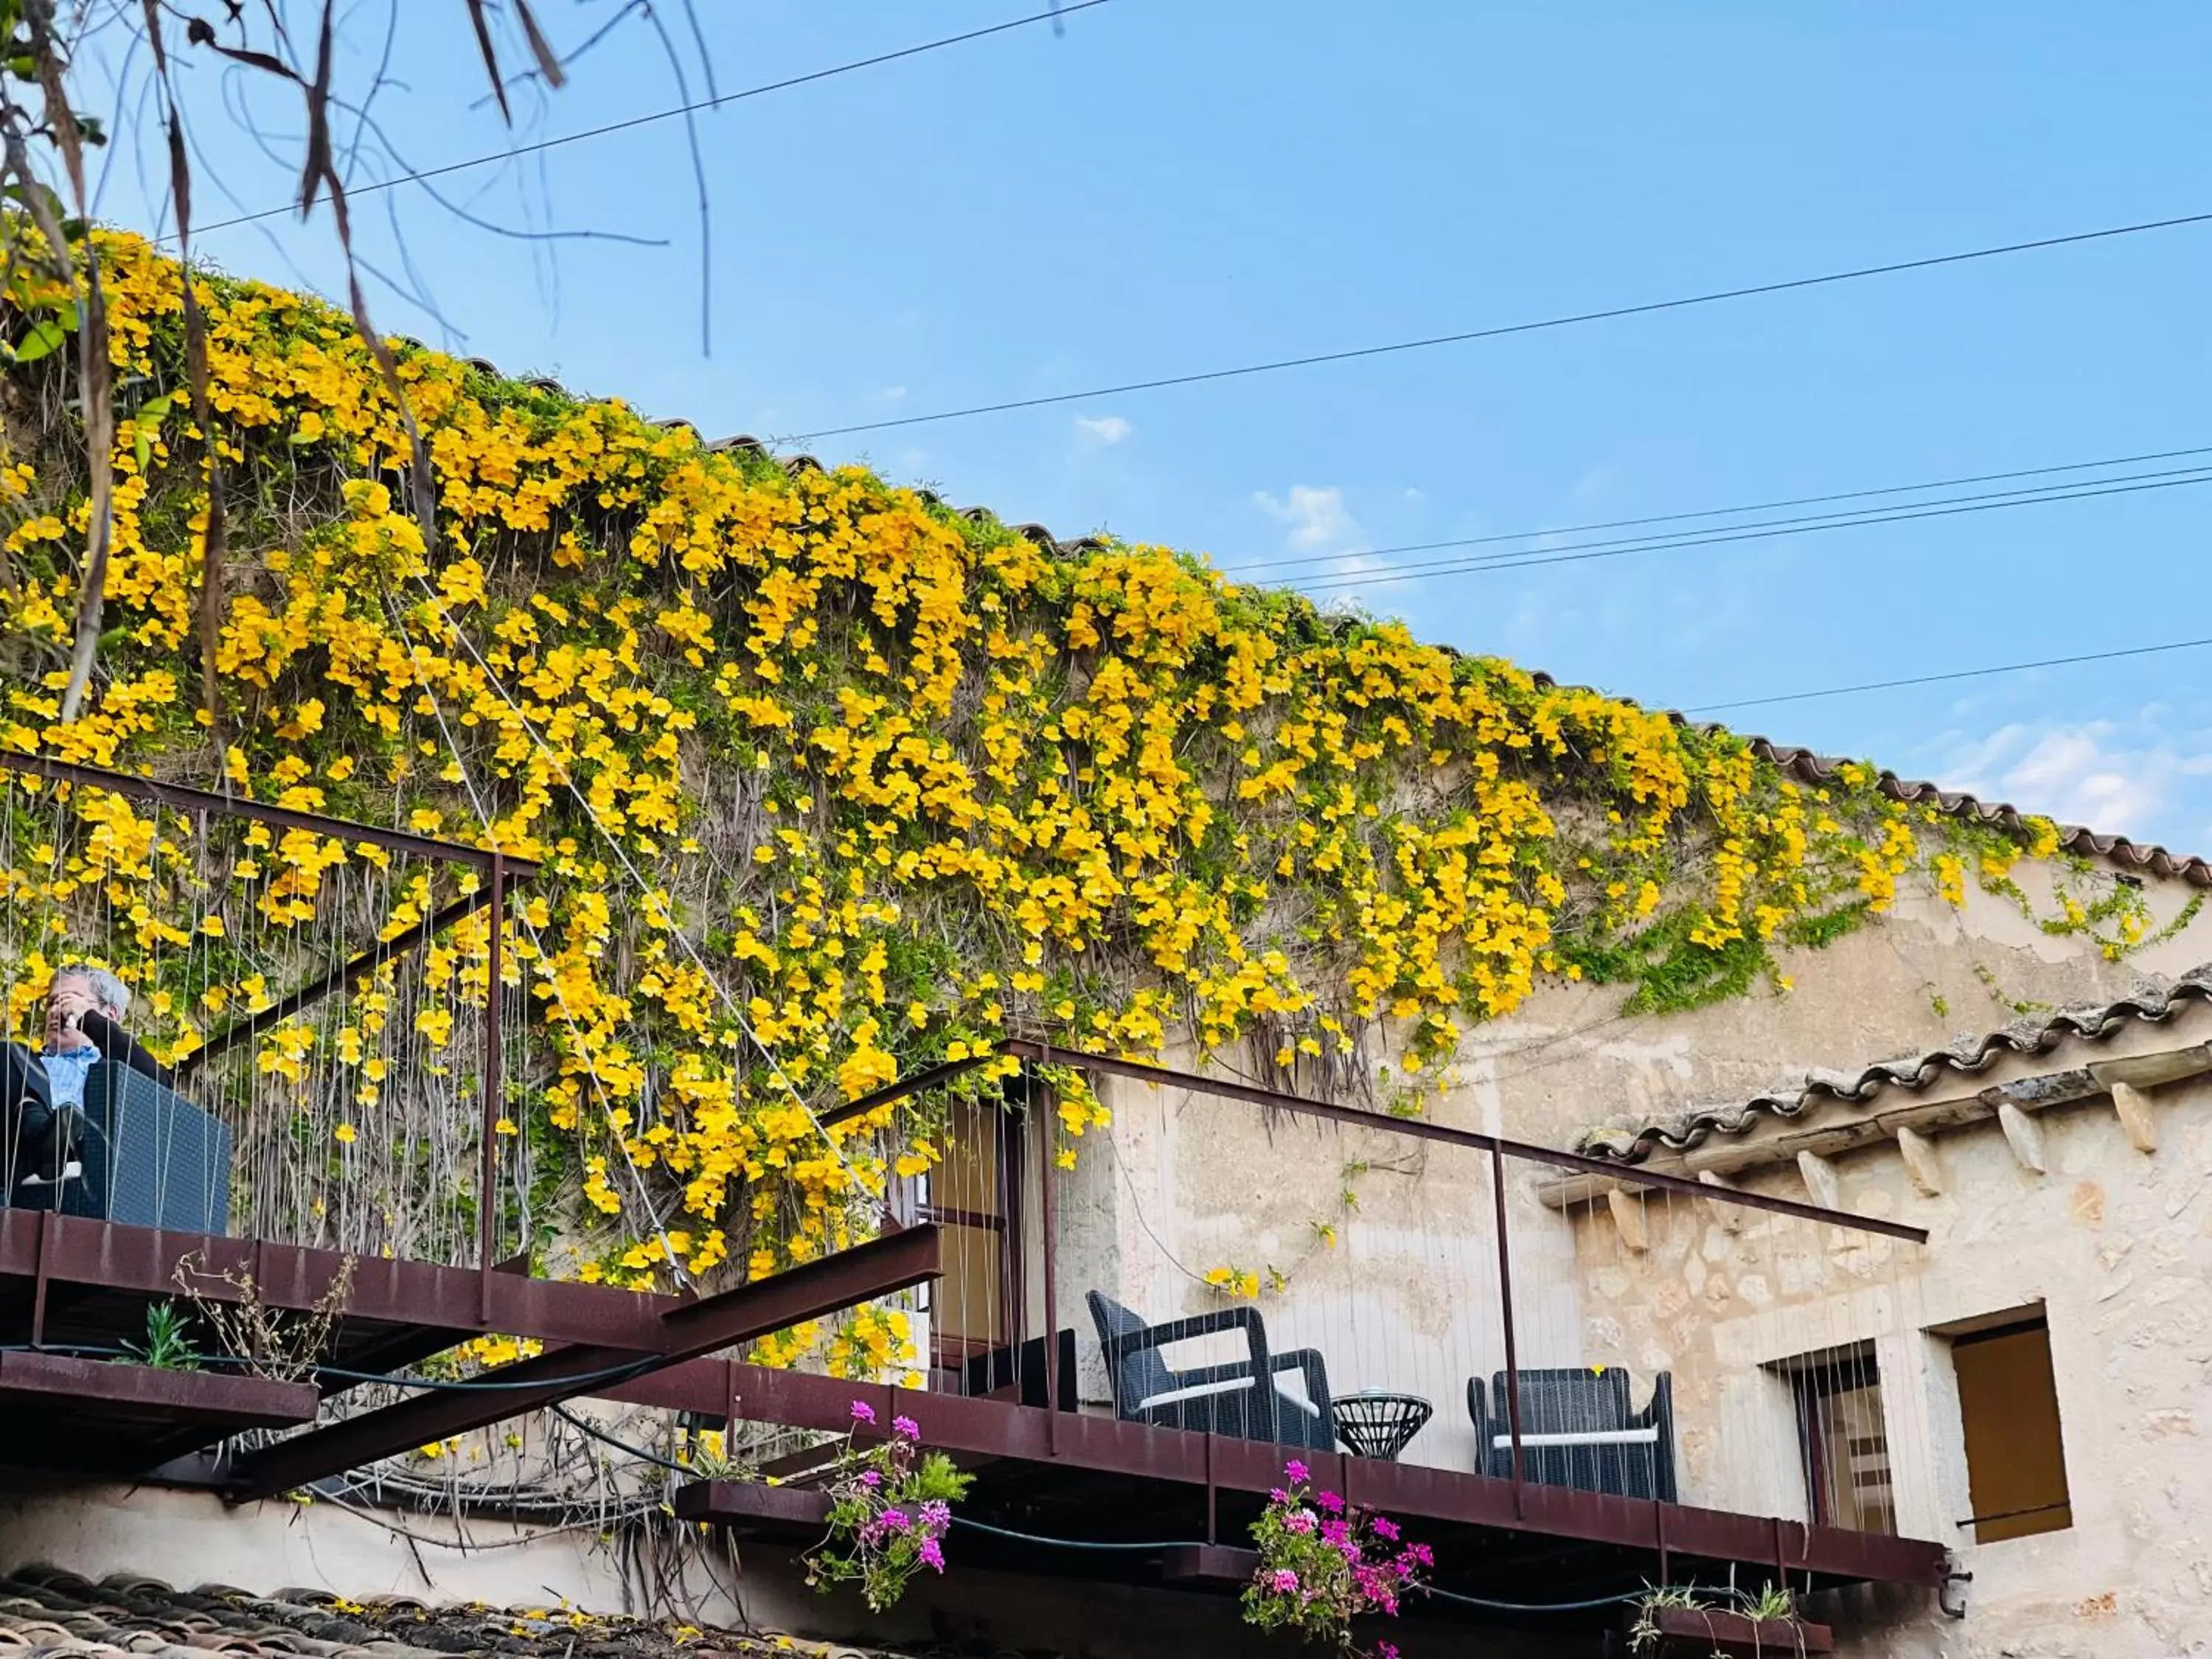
(707, 1454)
(890, 1506)
(1773, 1605)
(168, 1345)
(1324, 1563)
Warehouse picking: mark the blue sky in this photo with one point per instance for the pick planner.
(1167, 187)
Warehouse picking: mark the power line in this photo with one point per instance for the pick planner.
(2030, 495)
(1712, 512)
(1953, 674)
(1574, 319)
(1053, 16)
(1610, 550)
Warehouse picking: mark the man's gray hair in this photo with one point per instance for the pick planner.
(107, 991)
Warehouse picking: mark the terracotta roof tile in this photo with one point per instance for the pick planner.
(45, 1610)
(2153, 1004)
(2132, 857)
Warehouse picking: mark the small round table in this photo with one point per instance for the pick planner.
(1374, 1423)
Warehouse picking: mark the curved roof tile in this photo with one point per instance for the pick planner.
(45, 1608)
(2153, 1005)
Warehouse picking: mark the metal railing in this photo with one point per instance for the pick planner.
(1237, 1260)
(322, 1001)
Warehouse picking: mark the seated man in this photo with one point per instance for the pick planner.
(84, 1012)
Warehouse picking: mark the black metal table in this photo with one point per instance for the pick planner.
(1375, 1423)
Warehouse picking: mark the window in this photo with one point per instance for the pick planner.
(1843, 1442)
(2009, 1407)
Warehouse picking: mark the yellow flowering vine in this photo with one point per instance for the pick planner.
(830, 781)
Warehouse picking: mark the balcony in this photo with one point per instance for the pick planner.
(1571, 1389)
(310, 1142)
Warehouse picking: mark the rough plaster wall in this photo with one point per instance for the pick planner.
(1567, 1060)
(191, 1538)
(1407, 1299)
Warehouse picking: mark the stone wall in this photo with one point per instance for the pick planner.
(1185, 1184)
(2112, 1243)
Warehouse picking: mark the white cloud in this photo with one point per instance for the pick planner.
(2093, 772)
(1595, 487)
(1102, 428)
(892, 394)
(1317, 519)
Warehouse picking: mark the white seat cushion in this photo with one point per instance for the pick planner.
(1646, 1436)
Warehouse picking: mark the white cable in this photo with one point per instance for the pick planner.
(637, 1178)
(699, 962)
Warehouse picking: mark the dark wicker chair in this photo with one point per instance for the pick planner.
(1143, 1381)
(1577, 1430)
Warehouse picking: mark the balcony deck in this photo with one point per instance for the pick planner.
(1425, 1297)
(74, 1292)
(1090, 1480)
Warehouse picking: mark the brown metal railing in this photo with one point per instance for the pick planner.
(494, 870)
(1559, 1281)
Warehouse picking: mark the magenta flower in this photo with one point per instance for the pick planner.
(936, 1515)
(895, 1519)
(870, 1477)
(864, 1412)
(932, 1555)
(1386, 1529)
(1300, 1520)
(1330, 1501)
(1283, 1580)
(1296, 1471)
(907, 1426)
(1385, 1650)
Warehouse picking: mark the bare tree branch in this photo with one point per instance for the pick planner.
(212, 537)
(93, 389)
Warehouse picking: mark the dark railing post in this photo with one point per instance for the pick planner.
(39, 1277)
(1212, 1531)
(1046, 1165)
(1505, 1309)
(488, 1195)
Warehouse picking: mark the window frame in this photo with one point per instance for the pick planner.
(1815, 1382)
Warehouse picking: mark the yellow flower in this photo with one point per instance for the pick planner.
(864, 751)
